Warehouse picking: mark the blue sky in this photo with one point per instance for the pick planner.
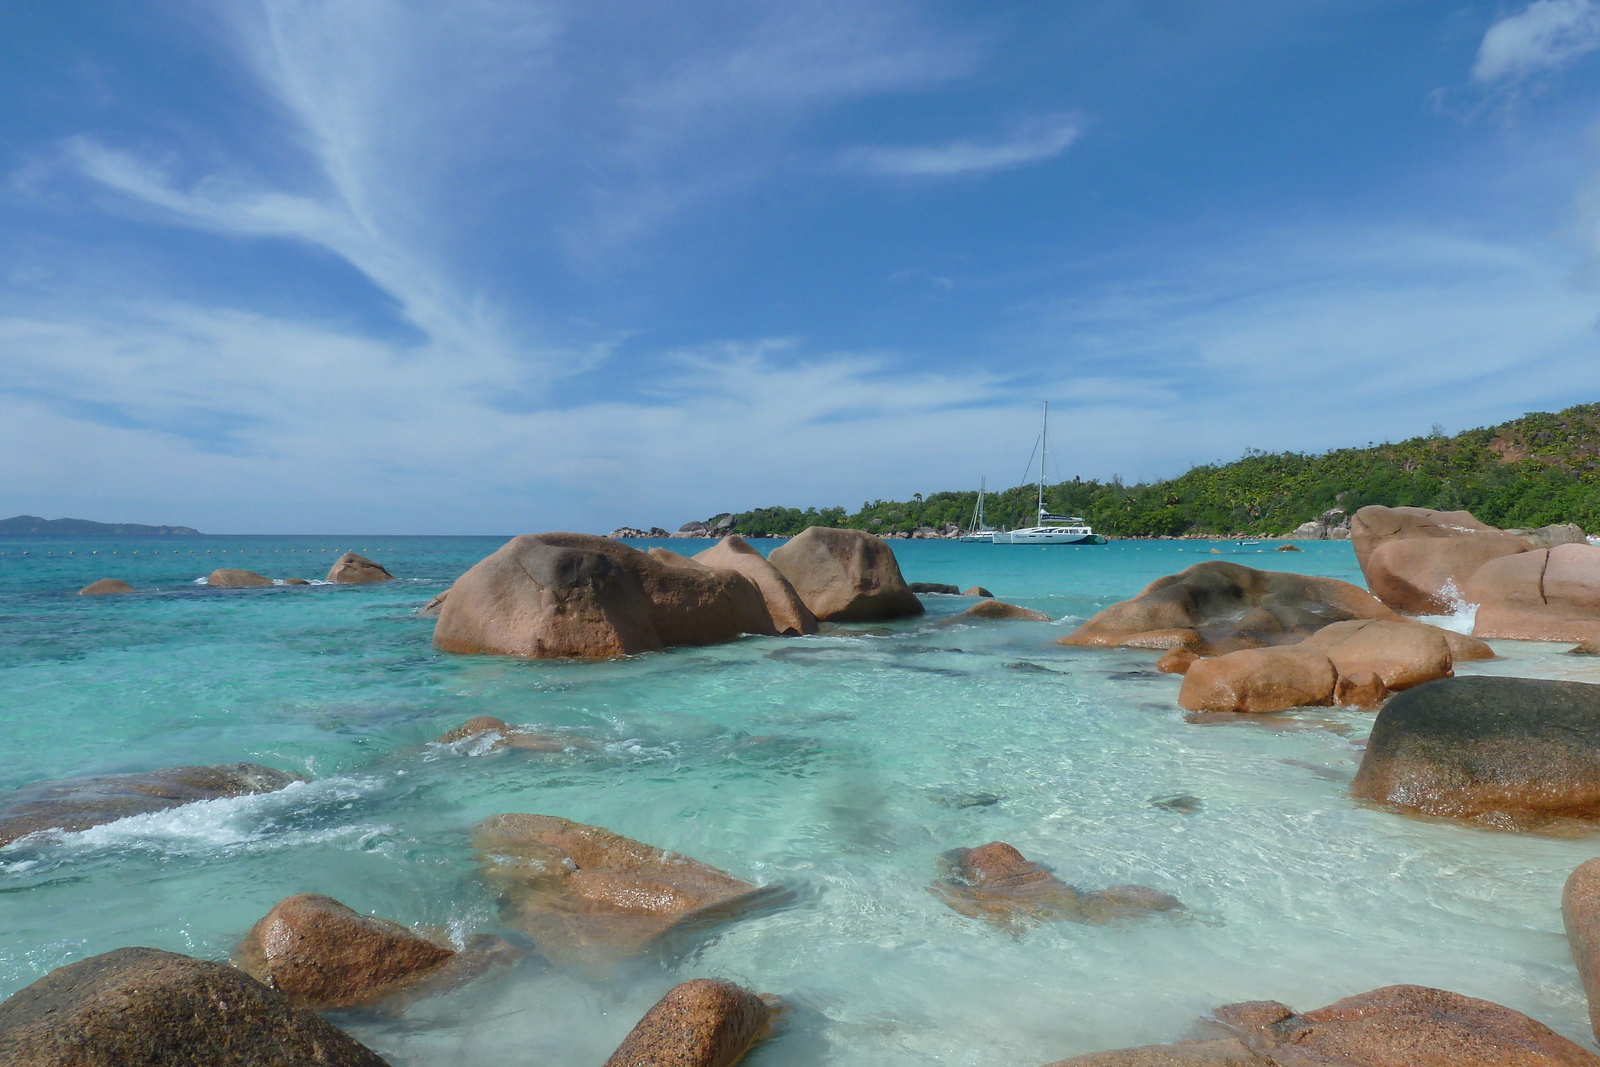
(495, 267)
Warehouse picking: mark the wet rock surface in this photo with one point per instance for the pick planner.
(1259, 680)
(73, 804)
(141, 1007)
(351, 569)
(999, 609)
(845, 575)
(998, 884)
(106, 585)
(496, 734)
(699, 1023)
(790, 616)
(234, 578)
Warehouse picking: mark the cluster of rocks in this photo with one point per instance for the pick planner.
(719, 526)
(348, 569)
(1331, 525)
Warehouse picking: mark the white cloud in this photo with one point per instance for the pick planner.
(1029, 142)
(1543, 36)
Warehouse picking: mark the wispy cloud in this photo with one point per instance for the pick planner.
(1033, 141)
(1545, 35)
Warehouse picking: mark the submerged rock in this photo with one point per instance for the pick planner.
(1513, 753)
(845, 575)
(73, 804)
(589, 896)
(106, 585)
(790, 616)
(999, 609)
(234, 578)
(141, 1007)
(1218, 607)
(1182, 803)
(353, 569)
(499, 736)
(295, 581)
(700, 1023)
(1580, 914)
(998, 884)
(1419, 561)
(1258, 680)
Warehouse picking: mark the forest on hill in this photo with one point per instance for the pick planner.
(1538, 469)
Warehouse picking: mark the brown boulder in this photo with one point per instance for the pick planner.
(577, 595)
(1258, 680)
(998, 884)
(999, 609)
(1541, 595)
(1175, 661)
(434, 605)
(1400, 654)
(1419, 561)
(141, 1007)
(106, 585)
(700, 1023)
(1513, 753)
(845, 575)
(1580, 913)
(499, 736)
(1218, 607)
(353, 569)
(295, 581)
(233, 578)
(73, 804)
(322, 955)
(1396, 1026)
(1589, 646)
(589, 896)
(1362, 689)
(977, 590)
(790, 616)
(1288, 548)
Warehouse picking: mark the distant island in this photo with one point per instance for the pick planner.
(34, 526)
(1529, 472)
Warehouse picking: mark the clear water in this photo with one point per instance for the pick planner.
(840, 766)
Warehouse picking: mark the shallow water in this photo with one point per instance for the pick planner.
(838, 766)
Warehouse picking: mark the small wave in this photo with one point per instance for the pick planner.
(203, 580)
(1462, 613)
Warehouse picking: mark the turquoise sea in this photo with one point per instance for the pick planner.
(839, 766)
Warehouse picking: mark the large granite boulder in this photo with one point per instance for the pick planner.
(1419, 561)
(699, 1023)
(1396, 1026)
(106, 585)
(1259, 680)
(845, 575)
(590, 897)
(577, 595)
(234, 578)
(323, 955)
(1548, 594)
(1217, 607)
(73, 804)
(1580, 914)
(1401, 654)
(790, 616)
(1514, 753)
(142, 1007)
(1000, 885)
(351, 569)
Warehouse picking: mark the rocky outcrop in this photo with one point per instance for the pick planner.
(700, 1023)
(976, 590)
(845, 575)
(998, 884)
(1218, 607)
(1396, 1026)
(434, 605)
(1288, 548)
(999, 609)
(589, 896)
(323, 955)
(790, 616)
(1567, 533)
(577, 595)
(106, 585)
(486, 730)
(934, 587)
(1540, 595)
(351, 569)
(695, 529)
(1419, 561)
(141, 1007)
(1399, 654)
(1580, 914)
(638, 534)
(1514, 753)
(73, 804)
(234, 578)
(1259, 680)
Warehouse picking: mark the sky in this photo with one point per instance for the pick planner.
(485, 267)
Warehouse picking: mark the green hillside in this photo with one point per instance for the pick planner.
(1539, 469)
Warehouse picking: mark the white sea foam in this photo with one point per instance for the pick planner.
(1461, 616)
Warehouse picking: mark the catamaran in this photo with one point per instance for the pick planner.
(1052, 529)
(976, 530)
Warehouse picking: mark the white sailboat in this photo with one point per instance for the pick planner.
(1052, 529)
(976, 530)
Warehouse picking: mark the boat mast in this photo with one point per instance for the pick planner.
(983, 481)
(1044, 450)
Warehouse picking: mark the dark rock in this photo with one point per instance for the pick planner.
(700, 1023)
(295, 581)
(1182, 803)
(845, 575)
(1514, 753)
(141, 1007)
(73, 804)
(233, 578)
(996, 883)
(934, 587)
(106, 585)
(351, 569)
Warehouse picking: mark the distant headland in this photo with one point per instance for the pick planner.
(34, 526)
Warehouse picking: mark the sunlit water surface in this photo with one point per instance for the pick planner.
(839, 766)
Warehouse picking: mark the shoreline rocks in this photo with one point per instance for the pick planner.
(351, 569)
(699, 1023)
(105, 586)
(235, 578)
(1540, 595)
(790, 616)
(845, 576)
(1418, 560)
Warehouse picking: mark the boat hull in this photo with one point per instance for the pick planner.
(1048, 535)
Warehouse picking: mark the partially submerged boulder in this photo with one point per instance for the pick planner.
(1175, 661)
(790, 616)
(486, 730)
(999, 609)
(353, 569)
(1396, 1026)
(1540, 595)
(590, 897)
(74, 804)
(1259, 680)
(845, 575)
(998, 884)
(934, 587)
(1513, 753)
(234, 578)
(1218, 607)
(1418, 560)
(1580, 914)
(699, 1023)
(434, 605)
(1400, 654)
(142, 1007)
(577, 595)
(976, 590)
(106, 585)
